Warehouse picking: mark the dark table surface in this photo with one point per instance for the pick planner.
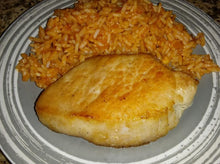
(11, 9)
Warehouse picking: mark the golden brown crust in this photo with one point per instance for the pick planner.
(118, 101)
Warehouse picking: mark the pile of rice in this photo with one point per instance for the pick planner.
(111, 27)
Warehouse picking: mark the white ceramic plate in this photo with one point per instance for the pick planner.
(25, 140)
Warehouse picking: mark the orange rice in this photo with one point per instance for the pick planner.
(111, 27)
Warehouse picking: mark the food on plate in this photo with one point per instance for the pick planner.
(117, 100)
(115, 72)
(108, 27)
